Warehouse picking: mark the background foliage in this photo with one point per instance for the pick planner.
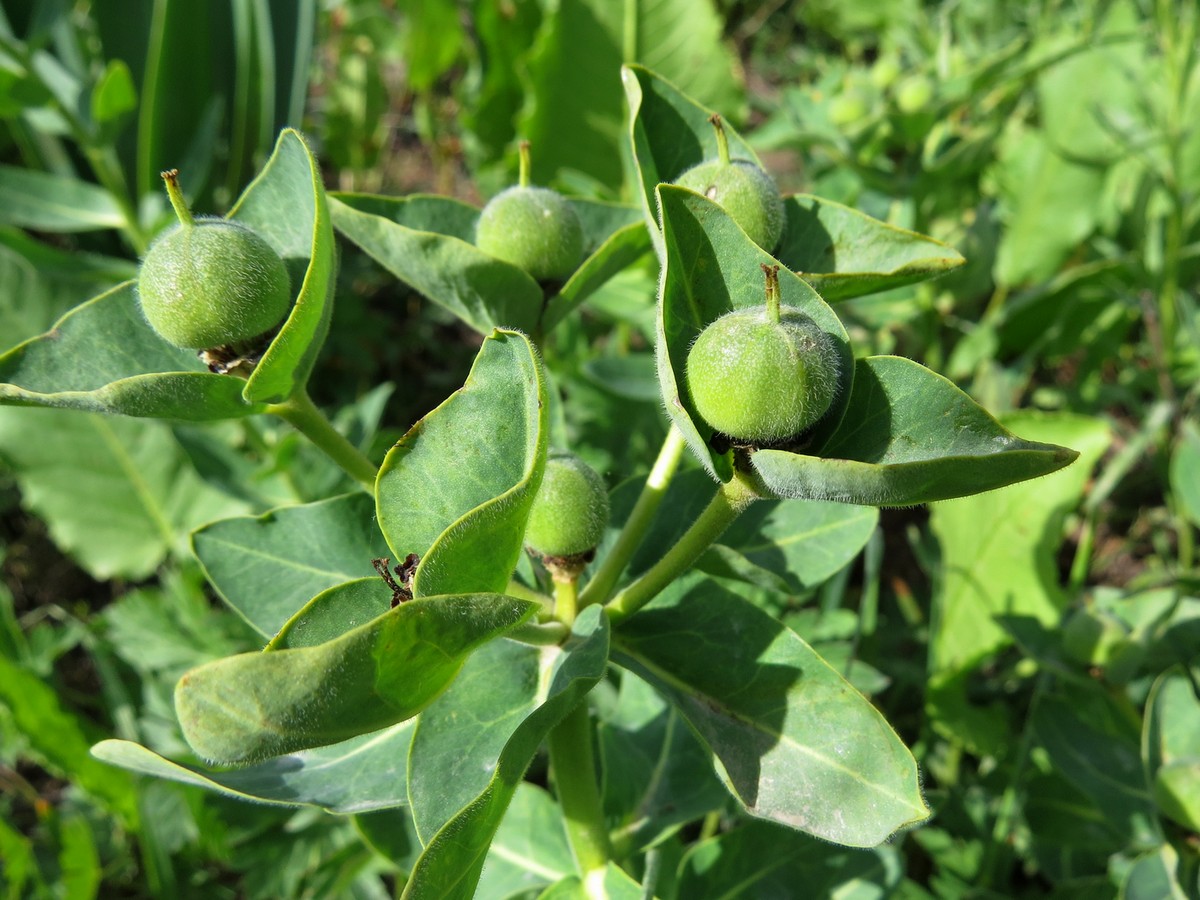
(1035, 646)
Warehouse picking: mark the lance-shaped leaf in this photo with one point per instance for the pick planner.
(530, 849)
(266, 567)
(844, 253)
(712, 267)
(456, 489)
(255, 705)
(1172, 747)
(333, 612)
(104, 357)
(841, 252)
(908, 436)
(429, 243)
(561, 678)
(55, 203)
(287, 205)
(797, 744)
(355, 776)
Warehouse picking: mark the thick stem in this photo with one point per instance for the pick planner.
(600, 588)
(574, 771)
(565, 600)
(722, 140)
(175, 192)
(523, 170)
(302, 414)
(726, 505)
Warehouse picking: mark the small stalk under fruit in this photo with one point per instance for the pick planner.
(175, 193)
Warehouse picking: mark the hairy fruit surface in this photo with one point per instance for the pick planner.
(533, 228)
(759, 380)
(571, 508)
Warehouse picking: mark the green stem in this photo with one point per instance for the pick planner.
(600, 588)
(722, 140)
(540, 634)
(302, 414)
(565, 600)
(517, 589)
(523, 171)
(726, 505)
(175, 193)
(574, 771)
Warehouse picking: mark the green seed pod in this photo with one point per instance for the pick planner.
(533, 228)
(571, 508)
(211, 282)
(742, 189)
(765, 374)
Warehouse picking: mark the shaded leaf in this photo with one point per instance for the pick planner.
(255, 705)
(530, 848)
(456, 489)
(798, 745)
(764, 860)
(451, 864)
(266, 567)
(908, 436)
(354, 776)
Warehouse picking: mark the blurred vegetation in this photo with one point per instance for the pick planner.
(1056, 145)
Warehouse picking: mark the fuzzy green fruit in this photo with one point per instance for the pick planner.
(571, 508)
(760, 379)
(533, 228)
(744, 191)
(210, 282)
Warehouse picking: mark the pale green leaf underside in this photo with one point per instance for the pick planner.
(355, 776)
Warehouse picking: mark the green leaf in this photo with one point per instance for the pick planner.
(804, 542)
(56, 203)
(102, 356)
(114, 94)
(116, 494)
(362, 774)
(287, 205)
(456, 489)
(1008, 568)
(1172, 742)
(1155, 876)
(1185, 471)
(451, 863)
(764, 860)
(429, 243)
(616, 885)
(1050, 203)
(843, 253)
(657, 775)
(712, 267)
(333, 612)
(576, 90)
(908, 436)
(445, 267)
(265, 567)
(670, 134)
(256, 705)
(38, 282)
(1091, 742)
(798, 745)
(530, 849)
